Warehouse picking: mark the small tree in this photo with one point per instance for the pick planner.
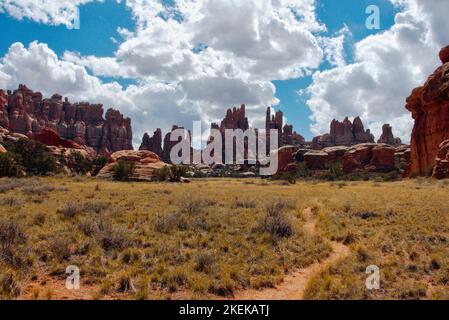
(123, 170)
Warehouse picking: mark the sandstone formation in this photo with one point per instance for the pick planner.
(344, 133)
(441, 169)
(316, 160)
(168, 144)
(444, 55)
(146, 162)
(369, 157)
(2, 149)
(285, 132)
(285, 158)
(387, 136)
(26, 112)
(154, 143)
(429, 106)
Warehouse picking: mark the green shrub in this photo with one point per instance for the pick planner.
(9, 167)
(123, 170)
(170, 173)
(78, 163)
(33, 156)
(98, 163)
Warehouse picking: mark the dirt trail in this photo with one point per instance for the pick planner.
(294, 285)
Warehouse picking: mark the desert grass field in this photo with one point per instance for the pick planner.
(223, 239)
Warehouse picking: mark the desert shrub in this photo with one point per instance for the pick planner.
(10, 234)
(9, 286)
(192, 205)
(125, 284)
(39, 219)
(34, 157)
(275, 222)
(8, 184)
(170, 173)
(335, 172)
(112, 238)
(70, 210)
(60, 247)
(130, 256)
(95, 206)
(9, 167)
(302, 171)
(245, 203)
(288, 177)
(37, 189)
(98, 163)
(78, 163)
(123, 170)
(204, 262)
(169, 222)
(11, 201)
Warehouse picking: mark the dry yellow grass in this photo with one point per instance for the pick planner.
(205, 239)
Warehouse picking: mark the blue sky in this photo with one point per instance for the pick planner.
(98, 37)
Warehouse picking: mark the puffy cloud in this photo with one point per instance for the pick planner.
(61, 12)
(387, 67)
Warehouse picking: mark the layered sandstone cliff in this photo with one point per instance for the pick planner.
(27, 112)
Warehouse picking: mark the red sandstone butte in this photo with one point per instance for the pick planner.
(429, 106)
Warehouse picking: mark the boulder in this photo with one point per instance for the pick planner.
(146, 162)
(2, 149)
(316, 160)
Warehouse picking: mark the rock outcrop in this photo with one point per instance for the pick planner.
(369, 157)
(316, 160)
(154, 143)
(429, 106)
(168, 144)
(285, 132)
(344, 133)
(145, 163)
(387, 136)
(26, 112)
(444, 55)
(441, 169)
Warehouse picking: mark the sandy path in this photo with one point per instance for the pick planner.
(294, 285)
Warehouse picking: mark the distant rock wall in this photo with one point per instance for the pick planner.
(27, 112)
(344, 133)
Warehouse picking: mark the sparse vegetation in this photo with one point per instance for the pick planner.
(214, 238)
(123, 170)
